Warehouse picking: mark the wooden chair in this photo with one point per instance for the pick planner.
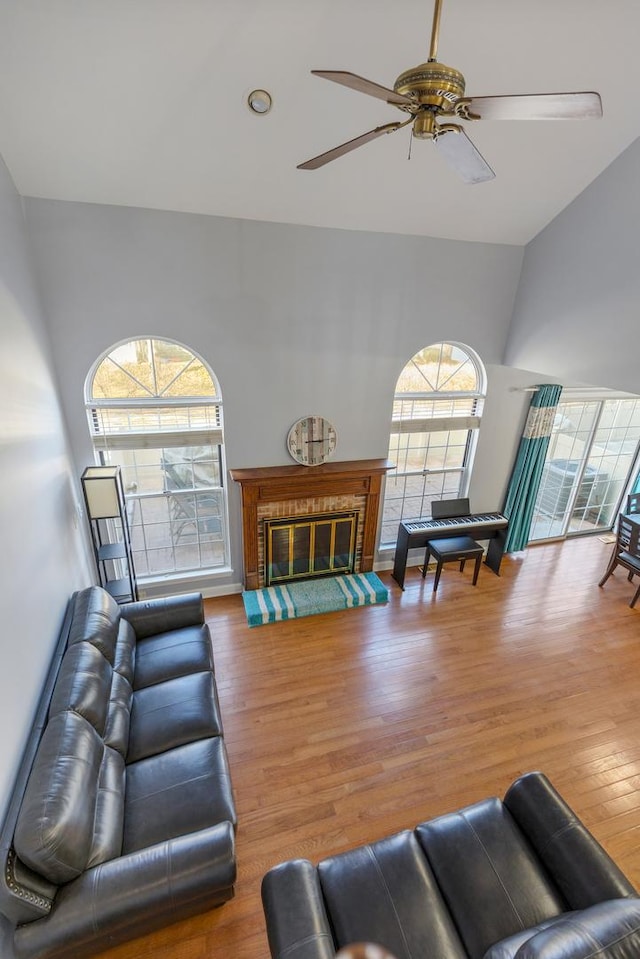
(453, 549)
(633, 504)
(626, 552)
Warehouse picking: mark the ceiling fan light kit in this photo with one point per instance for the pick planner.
(433, 92)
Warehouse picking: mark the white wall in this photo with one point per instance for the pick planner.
(42, 557)
(293, 320)
(578, 306)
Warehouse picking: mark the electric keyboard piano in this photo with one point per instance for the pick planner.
(412, 535)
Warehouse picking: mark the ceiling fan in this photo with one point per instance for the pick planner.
(433, 95)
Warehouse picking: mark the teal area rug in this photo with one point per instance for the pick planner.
(311, 596)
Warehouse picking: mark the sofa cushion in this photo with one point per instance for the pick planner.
(96, 616)
(125, 653)
(172, 654)
(171, 714)
(106, 842)
(177, 792)
(608, 930)
(492, 881)
(385, 892)
(54, 831)
(116, 732)
(83, 685)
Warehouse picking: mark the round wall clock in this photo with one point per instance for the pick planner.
(312, 440)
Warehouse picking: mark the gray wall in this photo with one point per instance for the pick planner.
(43, 558)
(293, 320)
(578, 306)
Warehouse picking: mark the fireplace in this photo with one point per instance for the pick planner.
(285, 492)
(302, 547)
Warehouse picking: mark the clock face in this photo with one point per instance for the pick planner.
(312, 440)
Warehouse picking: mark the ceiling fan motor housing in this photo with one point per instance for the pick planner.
(433, 86)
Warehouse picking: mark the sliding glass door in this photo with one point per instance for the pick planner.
(592, 453)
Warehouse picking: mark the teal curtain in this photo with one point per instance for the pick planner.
(525, 478)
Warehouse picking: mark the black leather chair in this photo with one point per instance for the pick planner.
(626, 552)
(518, 878)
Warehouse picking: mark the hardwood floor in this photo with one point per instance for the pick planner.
(344, 727)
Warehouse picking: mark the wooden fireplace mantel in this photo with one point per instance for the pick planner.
(272, 484)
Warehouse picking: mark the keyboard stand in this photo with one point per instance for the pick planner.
(484, 526)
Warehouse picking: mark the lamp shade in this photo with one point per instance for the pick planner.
(101, 491)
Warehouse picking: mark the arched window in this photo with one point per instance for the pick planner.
(155, 409)
(436, 414)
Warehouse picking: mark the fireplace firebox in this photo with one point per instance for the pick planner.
(305, 547)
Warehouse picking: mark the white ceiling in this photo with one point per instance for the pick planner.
(142, 103)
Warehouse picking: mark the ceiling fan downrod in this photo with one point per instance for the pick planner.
(435, 30)
(431, 86)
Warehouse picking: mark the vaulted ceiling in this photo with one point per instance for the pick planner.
(143, 103)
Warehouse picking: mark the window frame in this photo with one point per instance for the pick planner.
(202, 415)
(578, 504)
(471, 404)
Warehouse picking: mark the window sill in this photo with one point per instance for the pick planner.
(205, 581)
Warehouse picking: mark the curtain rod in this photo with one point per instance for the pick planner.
(577, 392)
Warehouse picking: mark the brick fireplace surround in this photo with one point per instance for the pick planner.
(271, 492)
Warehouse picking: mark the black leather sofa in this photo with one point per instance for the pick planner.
(521, 877)
(123, 817)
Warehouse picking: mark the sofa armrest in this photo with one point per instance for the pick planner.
(135, 894)
(608, 930)
(297, 923)
(161, 615)
(580, 867)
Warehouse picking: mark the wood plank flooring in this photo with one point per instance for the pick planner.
(345, 727)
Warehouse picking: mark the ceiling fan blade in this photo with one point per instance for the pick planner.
(339, 151)
(363, 86)
(462, 156)
(543, 106)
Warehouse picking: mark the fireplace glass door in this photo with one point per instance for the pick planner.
(303, 547)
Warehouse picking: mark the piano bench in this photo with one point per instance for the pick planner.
(452, 550)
